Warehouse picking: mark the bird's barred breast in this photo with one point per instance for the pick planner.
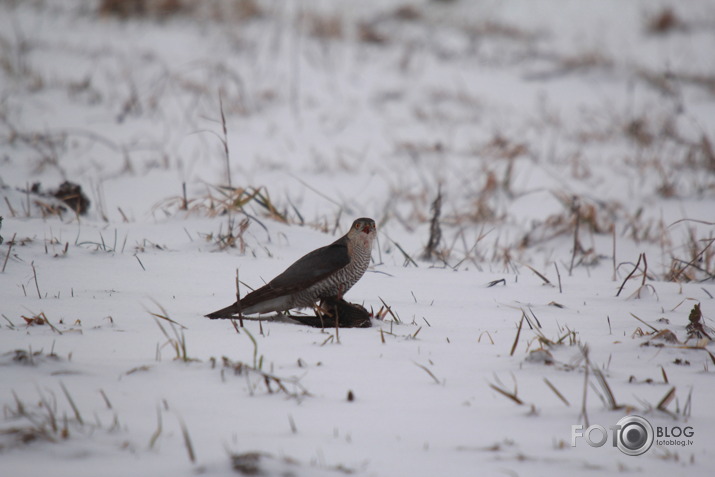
(338, 283)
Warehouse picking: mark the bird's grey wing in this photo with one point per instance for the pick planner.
(313, 267)
(306, 271)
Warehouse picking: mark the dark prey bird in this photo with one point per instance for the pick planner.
(328, 272)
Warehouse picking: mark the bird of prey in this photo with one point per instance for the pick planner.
(326, 273)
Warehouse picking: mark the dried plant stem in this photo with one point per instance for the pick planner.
(557, 392)
(435, 232)
(238, 300)
(640, 257)
(613, 235)
(9, 249)
(408, 259)
(663, 404)
(77, 415)
(34, 274)
(518, 333)
(159, 429)
(187, 440)
(586, 367)
(576, 243)
(558, 275)
(426, 370)
(27, 194)
(694, 260)
(656, 330)
(9, 206)
(509, 394)
(538, 274)
(224, 140)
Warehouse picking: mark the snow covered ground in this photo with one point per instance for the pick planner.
(572, 145)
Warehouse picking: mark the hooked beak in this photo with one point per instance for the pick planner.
(366, 229)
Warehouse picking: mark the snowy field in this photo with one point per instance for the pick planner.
(542, 176)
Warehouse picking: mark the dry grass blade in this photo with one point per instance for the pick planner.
(77, 415)
(701, 346)
(485, 332)
(640, 257)
(576, 208)
(178, 341)
(586, 367)
(558, 275)
(426, 370)
(159, 429)
(496, 282)
(516, 338)
(663, 404)
(545, 280)
(187, 440)
(395, 318)
(47, 322)
(557, 392)
(9, 249)
(408, 259)
(692, 220)
(612, 404)
(647, 324)
(163, 316)
(688, 406)
(34, 274)
(692, 262)
(507, 394)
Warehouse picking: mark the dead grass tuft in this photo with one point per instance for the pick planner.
(261, 379)
(46, 420)
(226, 201)
(325, 27)
(665, 21)
(369, 32)
(140, 8)
(218, 10)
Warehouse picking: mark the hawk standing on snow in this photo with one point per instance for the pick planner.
(323, 274)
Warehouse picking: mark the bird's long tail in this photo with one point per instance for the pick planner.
(229, 312)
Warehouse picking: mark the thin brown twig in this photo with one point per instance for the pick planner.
(640, 257)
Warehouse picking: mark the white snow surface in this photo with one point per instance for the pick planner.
(522, 115)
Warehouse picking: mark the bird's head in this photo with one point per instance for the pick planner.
(363, 228)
